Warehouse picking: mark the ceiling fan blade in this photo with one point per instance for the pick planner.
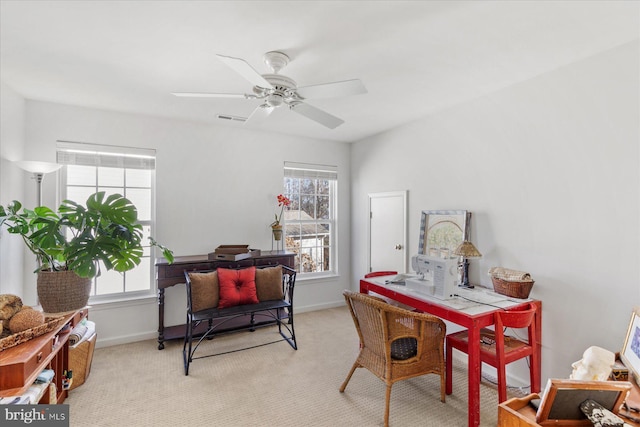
(259, 114)
(317, 115)
(213, 95)
(330, 90)
(243, 68)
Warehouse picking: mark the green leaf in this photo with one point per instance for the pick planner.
(44, 212)
(127, 258)
(48, 236)
(115, 208)
(14, 207)
(84, 252)
(104, 233)
(166, 252)
(73, 215)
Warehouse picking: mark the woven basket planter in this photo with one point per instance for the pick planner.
(61, 291)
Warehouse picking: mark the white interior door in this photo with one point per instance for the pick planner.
(388, 231)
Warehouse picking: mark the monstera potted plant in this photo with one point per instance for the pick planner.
(73, 243)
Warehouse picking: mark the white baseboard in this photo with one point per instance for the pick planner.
(153, 335)
(126, 339)
(317, 307)
(514, 382)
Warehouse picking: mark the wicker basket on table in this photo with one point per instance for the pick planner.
(8, 340)
(515, 289)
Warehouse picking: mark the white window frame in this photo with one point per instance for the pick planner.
(95, 155)
(315, 171)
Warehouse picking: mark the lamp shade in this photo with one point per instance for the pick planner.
(38, 167)
(467, 250)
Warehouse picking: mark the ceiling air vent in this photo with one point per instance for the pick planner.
(232, 118)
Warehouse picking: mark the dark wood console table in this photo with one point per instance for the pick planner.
(172, 274)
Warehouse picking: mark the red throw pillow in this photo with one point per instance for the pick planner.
(237, 287)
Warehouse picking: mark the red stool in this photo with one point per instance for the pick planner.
(498, 350)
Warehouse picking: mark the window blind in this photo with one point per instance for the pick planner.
(310, 171)
(86, 154)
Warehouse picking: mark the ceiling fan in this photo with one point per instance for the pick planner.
(276, 90)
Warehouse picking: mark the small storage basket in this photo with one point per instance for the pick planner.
(512, 289)
(80, 358)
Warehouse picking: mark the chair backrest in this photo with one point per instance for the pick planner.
(379, 323)
(522, 318)
(515, 318)
(367, 315)
(204, 291)
(380, 273)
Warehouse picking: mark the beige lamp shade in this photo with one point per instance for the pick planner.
(467, 250)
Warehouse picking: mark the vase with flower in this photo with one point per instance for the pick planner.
(276, 226)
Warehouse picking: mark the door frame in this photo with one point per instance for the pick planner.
(403, 194)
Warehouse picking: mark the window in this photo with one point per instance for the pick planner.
(310, 220)
(128, 171)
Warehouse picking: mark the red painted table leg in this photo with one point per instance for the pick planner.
(474, 376)
(536, 362)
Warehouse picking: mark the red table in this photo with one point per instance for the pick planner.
(471, 319)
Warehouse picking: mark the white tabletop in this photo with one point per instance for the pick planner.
(470, 301)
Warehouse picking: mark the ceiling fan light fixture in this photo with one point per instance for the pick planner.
(275, 100)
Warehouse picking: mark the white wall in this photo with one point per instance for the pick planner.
(550, 170)
(215, 185)
(12, 121)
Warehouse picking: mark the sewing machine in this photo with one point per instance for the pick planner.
(437, 277)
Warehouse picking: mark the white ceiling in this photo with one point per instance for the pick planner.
(414, 57)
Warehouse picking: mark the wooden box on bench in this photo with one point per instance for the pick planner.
(233, 253)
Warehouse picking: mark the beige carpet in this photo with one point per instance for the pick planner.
(274, 385)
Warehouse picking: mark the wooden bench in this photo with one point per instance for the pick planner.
(209, 313)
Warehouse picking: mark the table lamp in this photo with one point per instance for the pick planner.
(466, 250)
(38, 169)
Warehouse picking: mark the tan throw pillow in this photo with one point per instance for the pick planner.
(269, 283)
(205, 291)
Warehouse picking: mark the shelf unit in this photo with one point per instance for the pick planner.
(21, 365)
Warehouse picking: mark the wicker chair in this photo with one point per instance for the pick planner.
(396, 344)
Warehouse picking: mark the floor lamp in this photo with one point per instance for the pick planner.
(39, 170)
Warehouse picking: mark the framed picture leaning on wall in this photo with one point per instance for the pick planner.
(630, 353)
(441, 231)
